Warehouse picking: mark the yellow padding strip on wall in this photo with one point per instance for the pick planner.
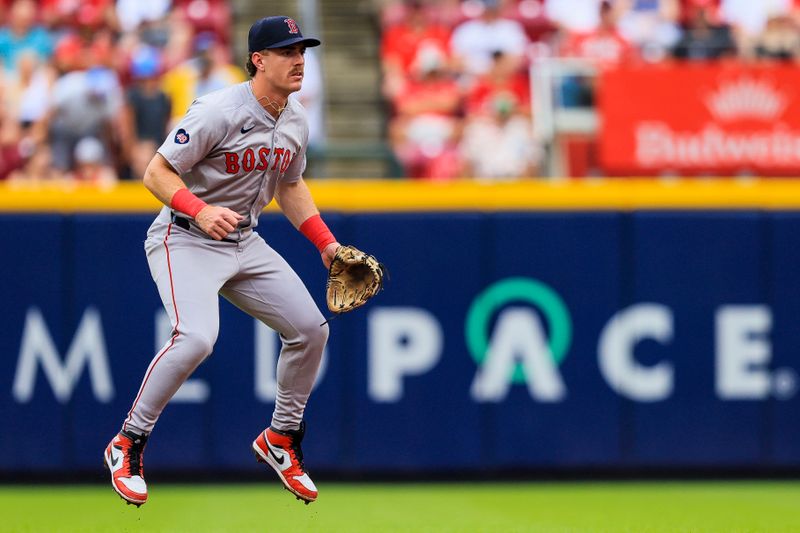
(400, 196)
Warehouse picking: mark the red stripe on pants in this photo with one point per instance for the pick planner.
(172, 340)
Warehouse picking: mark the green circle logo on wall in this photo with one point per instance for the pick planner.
(525, 290)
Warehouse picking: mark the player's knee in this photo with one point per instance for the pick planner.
(198, 344)
(315, 336)
(323, 333)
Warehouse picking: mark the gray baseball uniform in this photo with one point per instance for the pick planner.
(231, 153)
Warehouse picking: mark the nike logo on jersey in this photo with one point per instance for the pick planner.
(278, 460)
(243, 130)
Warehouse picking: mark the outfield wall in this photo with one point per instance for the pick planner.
(608, 330)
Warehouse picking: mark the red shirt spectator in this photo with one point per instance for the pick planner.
(424, 132)
(74, 13)
(503, 78)
(207, 16)
(689, 8)
(434, 96)
(402, 42)
(80, 50)
(605, 46)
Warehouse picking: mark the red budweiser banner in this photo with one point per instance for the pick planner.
(720, 118)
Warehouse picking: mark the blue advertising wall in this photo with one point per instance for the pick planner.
(615, 340)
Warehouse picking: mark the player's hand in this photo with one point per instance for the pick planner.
(328, 253)
(217, 221)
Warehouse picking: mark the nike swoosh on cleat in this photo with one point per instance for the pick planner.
(278, 460)
(114, 460)
(243, 130)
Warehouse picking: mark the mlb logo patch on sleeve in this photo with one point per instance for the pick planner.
(181, 136)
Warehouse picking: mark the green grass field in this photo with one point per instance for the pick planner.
(639, 507)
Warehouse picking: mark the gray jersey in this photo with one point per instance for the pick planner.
(230, 152)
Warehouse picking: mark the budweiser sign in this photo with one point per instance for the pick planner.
(658, 145)
(746, 99)
(708, 118)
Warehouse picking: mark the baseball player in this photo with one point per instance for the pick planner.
(234, 151)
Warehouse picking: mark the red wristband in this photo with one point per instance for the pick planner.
(186, 202)
(317, 232)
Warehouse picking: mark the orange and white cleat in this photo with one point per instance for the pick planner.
(123, 458)
(281, 450)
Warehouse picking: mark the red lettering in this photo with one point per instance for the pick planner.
(287, 159)
(278, 153)
(283, 158)
(231, 162)
(263, 158)
(248, 160)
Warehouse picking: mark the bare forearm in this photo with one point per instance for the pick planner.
(161, 180)
(298, 206)
(296, 202)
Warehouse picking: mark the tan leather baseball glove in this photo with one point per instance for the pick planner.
(353, 278)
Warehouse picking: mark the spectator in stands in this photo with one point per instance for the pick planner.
(133, 13)
(85, 104)
(502, 78)
(91, 164)
(651, 25)
(603, 46)
(27, 96)
(498, 144)
(688, 7)
(146, 111)
(21, 34)
(59, 15)
(447, 13)
(37, 168)
(402, 42)
(474, 41)
(88, 42)
(574, 16)
(424, 133)
(779, 40)
(178, 43)
(207, 71)
(207, 16)
(5, 5)
(748, 19)
(533, 17)
(11, 146)
(703, 39)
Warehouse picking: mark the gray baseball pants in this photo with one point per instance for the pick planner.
(190, 272)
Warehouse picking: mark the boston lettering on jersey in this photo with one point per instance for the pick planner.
(250, 160)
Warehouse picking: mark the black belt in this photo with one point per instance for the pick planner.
(185, 224)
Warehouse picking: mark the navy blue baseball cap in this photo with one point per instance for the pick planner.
(276, 32)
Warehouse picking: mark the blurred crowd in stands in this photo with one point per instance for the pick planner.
(456, 72)
(90, 87)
